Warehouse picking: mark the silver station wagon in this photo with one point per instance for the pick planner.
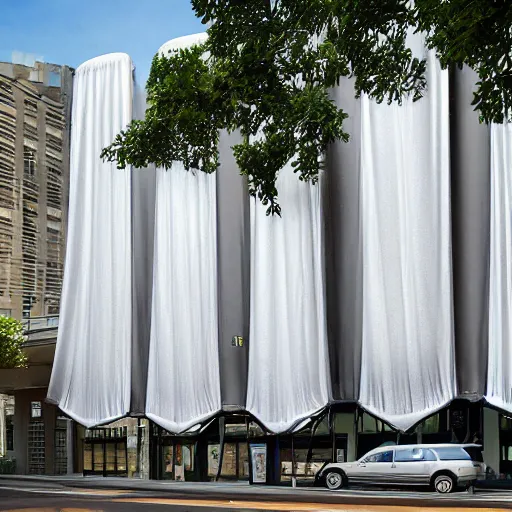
(442, 467)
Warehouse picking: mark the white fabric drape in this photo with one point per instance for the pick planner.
(183, 373)
(499, 375)
(288, 361)
(91, 372)
(407, 348)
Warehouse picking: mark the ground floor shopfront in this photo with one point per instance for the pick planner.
(234, 446)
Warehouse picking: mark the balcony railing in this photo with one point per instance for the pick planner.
(40, 323)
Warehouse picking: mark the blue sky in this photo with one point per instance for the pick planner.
(73, 31)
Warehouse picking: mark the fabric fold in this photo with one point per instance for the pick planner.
(499, 376)
(288, 360)
(91, 377)
(407, 368)
(183, 372)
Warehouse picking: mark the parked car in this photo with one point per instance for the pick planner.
(443, 467)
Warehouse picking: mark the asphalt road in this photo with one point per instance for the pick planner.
(30, 499)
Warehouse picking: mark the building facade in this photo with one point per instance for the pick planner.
(35, 122)
(226, 344)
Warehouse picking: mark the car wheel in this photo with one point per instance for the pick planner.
(334, 480)
(444, 484)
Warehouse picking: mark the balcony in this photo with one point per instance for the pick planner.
(40, 329)
(38, 323)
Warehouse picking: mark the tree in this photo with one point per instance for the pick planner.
(11, 343)
(267, 66)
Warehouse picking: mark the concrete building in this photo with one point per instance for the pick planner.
(271, 410)
(35, 109)
(35, 106)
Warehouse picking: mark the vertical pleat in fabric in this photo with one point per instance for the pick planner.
(288, 361)
(233, 248)
(91, 377)
(470, 207)
(143, 227)
(183, 373)
(499, 376)
(407, 368)
(344, 263)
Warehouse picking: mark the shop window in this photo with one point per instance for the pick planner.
(243, 461)
(255, 430)
(236, 429)
(213, 459)
(61, 446)
(322, 429)
(285, 455)
(229, 460)
(344, 423)
(36, 448)
(105, 451)
(9, 432)
(305, 460)
(505, 423)
(235, 460)
(431, 425)
(168, 463)
(368, 424)
(88, 457)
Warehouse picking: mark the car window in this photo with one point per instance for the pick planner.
(380, 457)
(452, 453)
(414, 455)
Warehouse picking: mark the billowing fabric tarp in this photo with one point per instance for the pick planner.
(183, 371)
(407, 367)
(91, 378)
(288, 362)
(499, 376)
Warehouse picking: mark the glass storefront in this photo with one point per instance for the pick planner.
(178, 460)
(105, 452)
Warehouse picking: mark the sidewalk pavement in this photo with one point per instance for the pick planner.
(242, 491)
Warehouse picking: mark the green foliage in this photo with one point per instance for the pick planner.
(477, 33)
(11, 343)
(267, 66)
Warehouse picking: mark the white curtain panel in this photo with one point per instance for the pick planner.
(408, 346)
(183, 373)
(288, 361)
(499, 374)
(91, 373)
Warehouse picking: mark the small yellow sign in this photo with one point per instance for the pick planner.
(237, 341)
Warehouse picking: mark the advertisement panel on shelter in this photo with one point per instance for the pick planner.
(259, 463)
